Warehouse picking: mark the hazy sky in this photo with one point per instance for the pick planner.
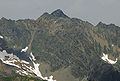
(107, 11)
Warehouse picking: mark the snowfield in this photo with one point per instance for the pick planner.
(32, 56)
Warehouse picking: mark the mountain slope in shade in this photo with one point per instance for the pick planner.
(70, 49)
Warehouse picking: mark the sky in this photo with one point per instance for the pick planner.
(93, 11)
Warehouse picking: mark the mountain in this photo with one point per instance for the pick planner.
(57, 47)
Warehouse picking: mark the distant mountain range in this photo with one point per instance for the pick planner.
(55, 47)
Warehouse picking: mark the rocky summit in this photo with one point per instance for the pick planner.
(55, 47)
(59, 13)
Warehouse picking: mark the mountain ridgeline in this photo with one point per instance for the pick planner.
(65, 43)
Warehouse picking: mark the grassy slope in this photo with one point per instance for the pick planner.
(19, 78)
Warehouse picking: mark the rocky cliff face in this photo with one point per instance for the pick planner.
(67, 48)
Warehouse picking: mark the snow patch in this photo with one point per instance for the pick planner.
(25, 49)
(3, 55)
(1, 37)
(112, 45)
(105, 58)
(55, 22)
(9, 63)
(37, 71)
(11, 60)
(33, 57)
(22, 72)
(22, 61)
(50, 78)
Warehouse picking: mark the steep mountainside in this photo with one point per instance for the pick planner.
(67, 48)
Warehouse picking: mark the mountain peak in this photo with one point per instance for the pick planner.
(59, 13)
(101, 24)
